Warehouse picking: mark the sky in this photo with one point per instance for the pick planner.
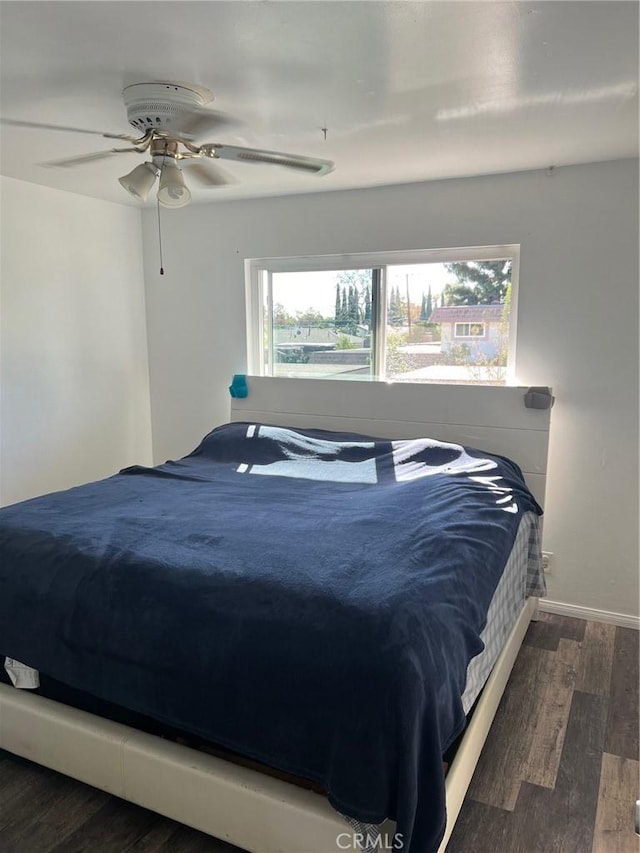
(317, 290)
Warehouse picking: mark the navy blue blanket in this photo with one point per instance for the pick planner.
(309, 599)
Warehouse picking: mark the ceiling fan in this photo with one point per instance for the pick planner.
(169, 117)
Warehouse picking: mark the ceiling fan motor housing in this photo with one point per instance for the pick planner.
(162, 105)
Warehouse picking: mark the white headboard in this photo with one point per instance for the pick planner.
(492, 418)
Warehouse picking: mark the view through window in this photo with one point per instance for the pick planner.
(439, 321)
(332, 334)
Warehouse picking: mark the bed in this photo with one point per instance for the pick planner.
(297, 636)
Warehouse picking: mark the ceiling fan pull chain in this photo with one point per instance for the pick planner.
(160, 238)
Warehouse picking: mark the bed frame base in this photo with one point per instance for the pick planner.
(244, 807)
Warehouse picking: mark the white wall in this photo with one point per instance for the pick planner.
(577, 326)
(74, 383)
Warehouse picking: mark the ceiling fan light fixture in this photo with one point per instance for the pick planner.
(172, 191)
(168, 117)
(140, 180)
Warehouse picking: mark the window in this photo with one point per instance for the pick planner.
(425, 316)
(469, 330)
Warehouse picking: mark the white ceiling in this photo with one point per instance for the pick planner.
(408, 91)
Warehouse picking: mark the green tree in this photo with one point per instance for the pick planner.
(353, 317)
(338, 311)
(459, 294)
(357, 308)
(367, 306)
(358, 278)
(426, 308)
(344, 309)
(281, 316)
(396, 308)
(397, 359)
(345, 342)
(478, 282)
(310, 317)
(391, 308)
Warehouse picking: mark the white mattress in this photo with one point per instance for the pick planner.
(522, 577)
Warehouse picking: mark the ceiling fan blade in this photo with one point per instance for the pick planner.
(199, 122)
(78, 161)
(41, 126)
(312, 165)
(207, 175)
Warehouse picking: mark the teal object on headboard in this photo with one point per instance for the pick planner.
(239, 387)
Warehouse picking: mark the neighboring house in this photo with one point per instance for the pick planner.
(480, 327)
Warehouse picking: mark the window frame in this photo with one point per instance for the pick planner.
(470, 323)
(259, 292)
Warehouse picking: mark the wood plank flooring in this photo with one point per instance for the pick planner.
(558, 774)
(559, 771)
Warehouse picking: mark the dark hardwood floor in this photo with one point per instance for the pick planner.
(559, 770)
(558, 774)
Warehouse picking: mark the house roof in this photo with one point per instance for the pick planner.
(467, 314)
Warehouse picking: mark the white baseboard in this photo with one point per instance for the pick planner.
(622, 619)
